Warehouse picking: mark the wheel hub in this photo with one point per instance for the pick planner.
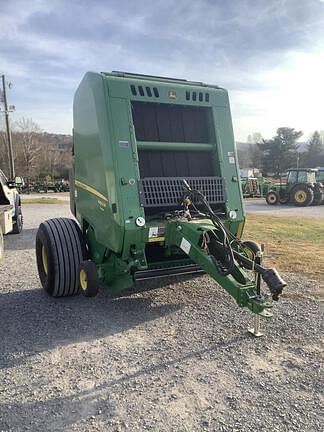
(300, 196)
(83, 279)
(44, 260)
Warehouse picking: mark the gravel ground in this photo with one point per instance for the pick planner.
(261, 207)
(251, 205)
(62, 196)
(175, 357)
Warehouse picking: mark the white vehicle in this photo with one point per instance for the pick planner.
(5, 225)
(10, 196)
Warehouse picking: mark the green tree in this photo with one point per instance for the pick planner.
(314, 155)
(280, 152)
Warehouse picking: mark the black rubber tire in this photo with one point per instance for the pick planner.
(284, 199)
(18, 220)
(302, 191)
(272, 197)
(318, 196)
(92, 281)
(318, 200)
(254, 249)
(64, 249)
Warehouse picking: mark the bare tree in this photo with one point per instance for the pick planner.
(3, 147)
(3, 152)
(255, 156)
(37, 154)
(254, 138)
(321, 132)
(54, 159)
(26, 146)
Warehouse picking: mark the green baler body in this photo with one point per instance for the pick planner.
(124, 130)
(107, 151)
(138, 141)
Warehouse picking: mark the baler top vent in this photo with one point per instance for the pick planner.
(194, 96)
(139, 91)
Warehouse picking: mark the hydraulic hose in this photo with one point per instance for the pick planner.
(225, 266)
(269, 275)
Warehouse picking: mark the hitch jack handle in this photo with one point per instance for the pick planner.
(270, 275)
(255, 330)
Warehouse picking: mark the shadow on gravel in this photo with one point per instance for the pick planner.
(33, 322)
(24, 240)
(162, 282)
(59, 413)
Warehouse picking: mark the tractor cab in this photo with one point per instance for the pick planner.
(301, 175)
(320, 175)
(301, 189)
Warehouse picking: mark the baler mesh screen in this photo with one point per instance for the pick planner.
(168, 191)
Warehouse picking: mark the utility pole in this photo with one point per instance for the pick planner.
(9, 140)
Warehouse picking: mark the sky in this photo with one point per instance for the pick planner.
(269, 54)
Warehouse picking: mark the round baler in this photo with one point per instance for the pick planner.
(155, 191)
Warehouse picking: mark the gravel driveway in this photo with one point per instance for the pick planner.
(175, 357)
(62, 196)
(259, 206)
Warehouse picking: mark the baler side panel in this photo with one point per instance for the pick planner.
(127, 174)
(94, 163)
(228, 163)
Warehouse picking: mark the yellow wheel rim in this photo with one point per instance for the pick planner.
(44, 260)
(249, 253)
(83, 279)
(300, 196)
(272, 198)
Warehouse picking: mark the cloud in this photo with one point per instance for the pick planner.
(242, 45)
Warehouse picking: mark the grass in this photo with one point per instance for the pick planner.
(293, 245)
(44, 200)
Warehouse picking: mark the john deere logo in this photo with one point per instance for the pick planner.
(172, 94)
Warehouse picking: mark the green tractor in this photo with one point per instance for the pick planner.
(301, 189)
(155, 190)
(320, 175)
(255, 187)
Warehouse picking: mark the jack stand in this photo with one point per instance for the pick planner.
(256, 329)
